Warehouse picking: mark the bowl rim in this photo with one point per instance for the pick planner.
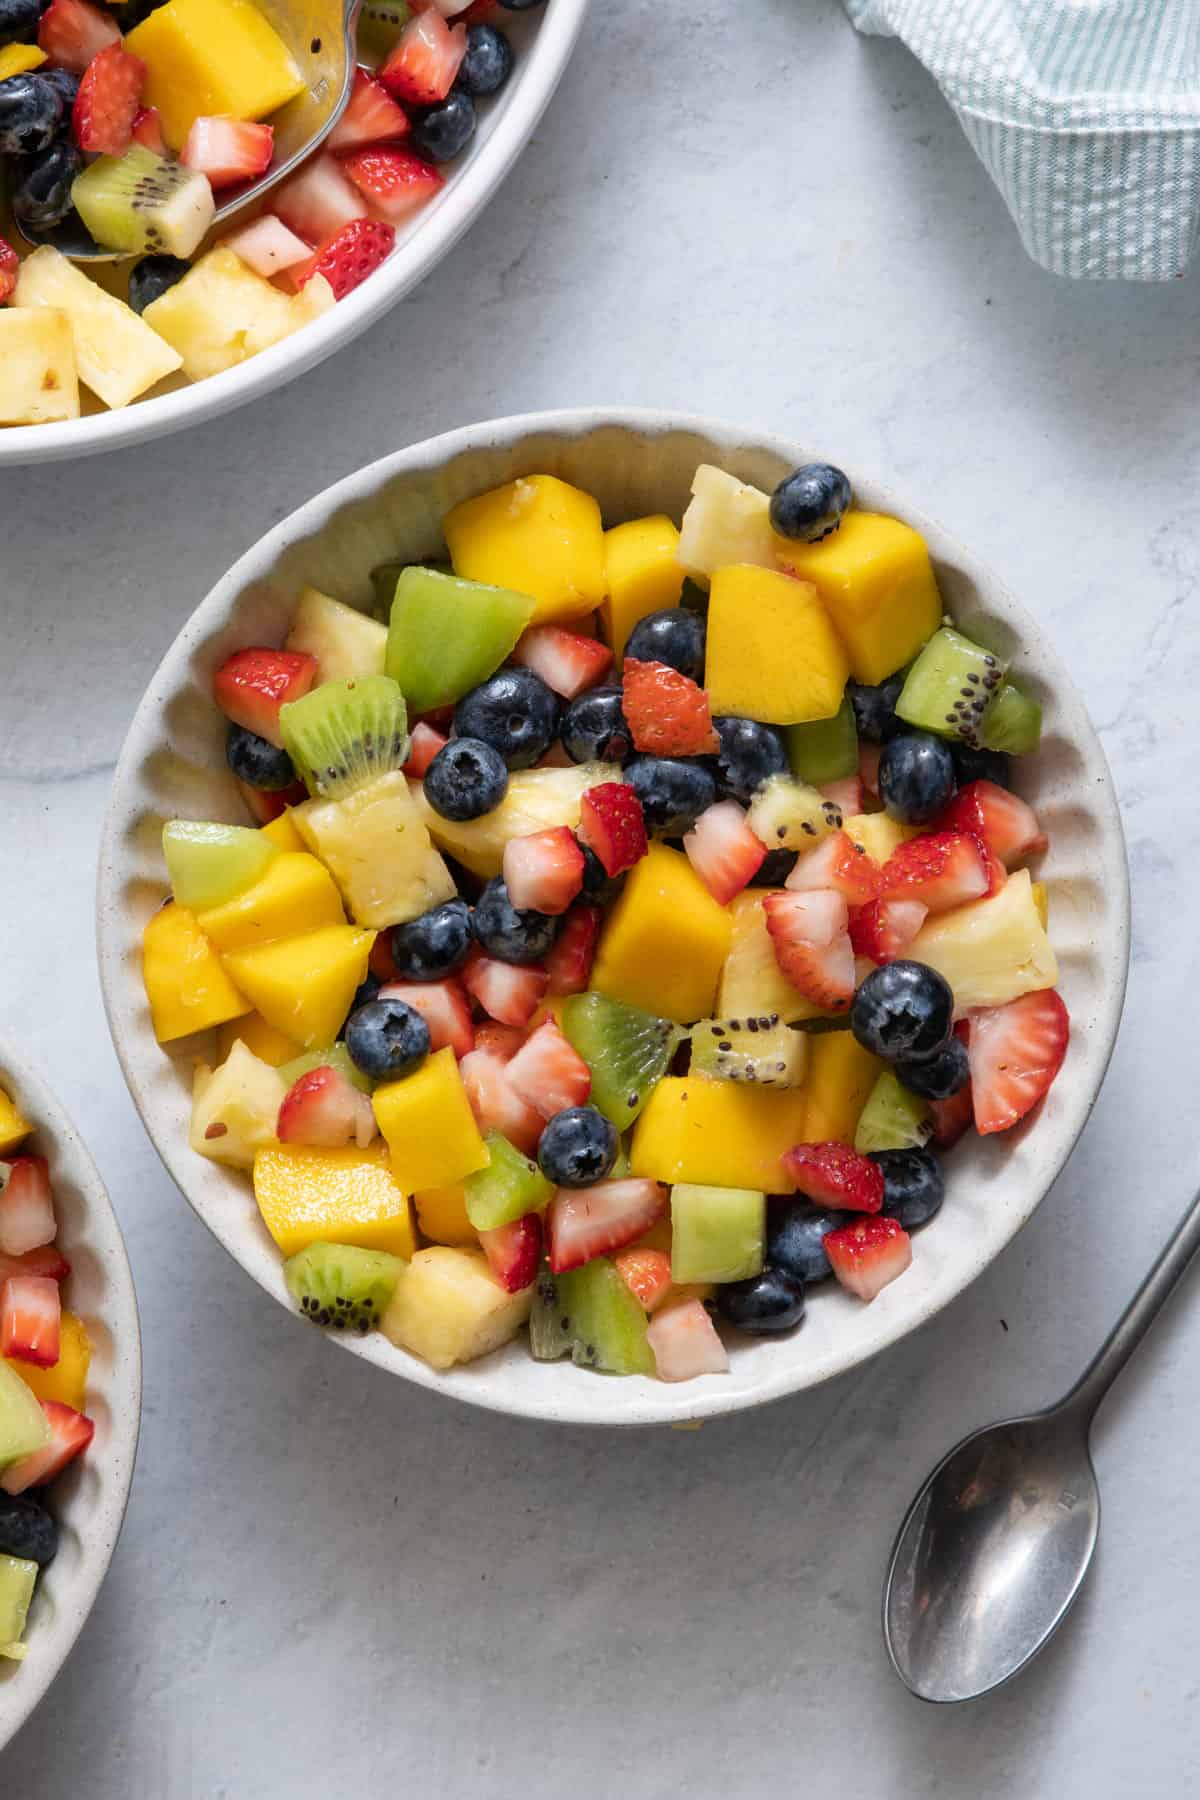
(674, 1406)
(54, 1639)
(539, 72)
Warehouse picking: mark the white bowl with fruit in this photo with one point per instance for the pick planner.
(544, 1024)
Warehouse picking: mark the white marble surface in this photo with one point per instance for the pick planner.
(327, 1579)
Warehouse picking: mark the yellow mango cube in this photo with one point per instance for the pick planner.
(665, 940)
(14, 1126)
(303, 986)
(840, 1076)
(332, 1197)
(642, 574)
(717, 1134)
(877, 584)
(751, 981)
(262, 1040)
(212, 56)
(295, 893)
(538, 535)
(773, 653)
(430, 1129)
(878, 834)
(66, 1382)
(186, 985)
(19, 59)
(282, 832)
(442, 1215)
(1041, 903)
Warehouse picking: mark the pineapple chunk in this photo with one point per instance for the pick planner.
(346, 643)
(536, 800)
(235, 1107)
(878, 834)
(38, 379)
(726, 522)
(449, 1308)
(213, 56)
(117, 354)
(991, 951)
(752, 983)
(221, 313)
(376, 846)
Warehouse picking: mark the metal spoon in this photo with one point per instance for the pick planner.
(321, 37)
(995, 1546)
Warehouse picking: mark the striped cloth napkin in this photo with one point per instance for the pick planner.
(1086, 114)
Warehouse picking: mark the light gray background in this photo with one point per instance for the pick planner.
(332, 1583)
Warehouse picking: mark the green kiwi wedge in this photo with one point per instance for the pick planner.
(345, 733)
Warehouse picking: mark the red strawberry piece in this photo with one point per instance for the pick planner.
(70, 1433)
(585, 1222)
(30, 1315)
(444, 1007)
(612, 825)
(147, 130)
(495, 1106)
(10, 264)
(993, 868)
(266, 804)
(426, 742)
(836, 1175)
(951, 1118)
(440, 717)
(569, 962)
(566, 662)
(646, 1273)
(883, 929)
(499, 1040)
(944, 869)
(324, 1109)
(251, 685)
(508, 992)
(48, 1260)
(422, 67)
(867, 1255)
(1004, 822)
(839, 863)
(543, 871)
(108, 101)
(868, 767)
(812, 945)
(513, 1252)
(228, 150)
(396, 182)
(372, 116)
(27, 1219)
(846, 794)
(723, 850)
(352, 254)
(480, 12)
(548, 1072)
(666, 712)
(319, 201)
(685, 1343)
(72, 33)
(381, 962)
(1015, 1051)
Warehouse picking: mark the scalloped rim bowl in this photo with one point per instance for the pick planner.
(90, 1498)
(544, 43)
(635, 462)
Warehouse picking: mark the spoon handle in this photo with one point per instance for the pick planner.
(1138, 1316)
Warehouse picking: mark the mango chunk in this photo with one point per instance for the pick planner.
(430, 1129)
(442, 1215)
(212, 56)
(14, 1126)
(304, 986)
(270, 1046)
(66, 1382)
(296, 893)
(538, 535)
(841, 1074)
(332, 1197)
(717, 1134)
(642, 573)
(877, 584)
(186, 985)
(19, 59)
(282, 832)
(665, 940)
(772, 652)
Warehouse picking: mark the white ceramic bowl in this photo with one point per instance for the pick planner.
(635, 462)
(89, 1498)
(543, 38)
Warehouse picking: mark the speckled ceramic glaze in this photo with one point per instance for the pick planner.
(635, 462)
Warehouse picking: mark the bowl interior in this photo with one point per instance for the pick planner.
(173, 765)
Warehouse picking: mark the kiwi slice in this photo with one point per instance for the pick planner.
(342, 1285)
(335, 1057)
(446, 635)
(892, 1119)
(1013, 722)
(507, 1189)
(18, 1578)
(606, 1323)
(826, 749)
(344, 733)
(140, 201)
(379, 25)
(627, 1050)
(761, 1050)
(549, 1323)
(384, 577)
(950, 686)
(717, 1234)
(790, 815)
(210, 864)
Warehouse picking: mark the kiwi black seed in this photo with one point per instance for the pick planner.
(345, 733)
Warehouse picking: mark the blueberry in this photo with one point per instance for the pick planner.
(27, 1530)
(771, 1301)
(18, 19)
(875, 709)
(594, 728)
(515, 712)
(466, 779)
(509, 935)
(809, 503)
(66, 83)
(941, 1076)
(598, 884)
(40, 194)
(750, 754)
(903, 1011)
(31, 111)
(578, 1146)
(519, 5)
(774, 868)
(387, 1039)
(916, 777)
(256, 762)
(796, 1234)
(150, 279)
(488, 62)
(367, 991)
(972, 764)
(672, 636)
(435, 944)
(673, 792)
(443, 130)
(912, 1185)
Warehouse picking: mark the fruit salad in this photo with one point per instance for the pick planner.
(44, 1358)
(631, 919)
(136, 120)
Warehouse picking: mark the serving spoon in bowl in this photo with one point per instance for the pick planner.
(995, 1547)
(321, 36)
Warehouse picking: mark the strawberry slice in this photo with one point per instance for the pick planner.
(1015, 1051)
(943, 870)
(611, 823)
(228, 150)
(846, 793)
(445, 1009)
(495, 1106)
(812, 945)
(10, 264)
(836, 1175)
(543, 871)
(371, 116)
(667, 714)
(839, 863)
(685, 1344)
(422, 67)
(265, 805)
(319, 201)
(267, 246)
(108, 101)
(646, 1273)
(324, 1109)
(1004, 822)
(724, 851)
(548, 1072)
(868, 767)
(499, 1040)
(566, 662)
(867, 1255)
(951, 1118)
(27, 1219)
(147, 130)
(426, 742)
(30, 1316)
(508, 992)
(585, 1222)
(251, 685)
(48, 1260)
(883, 929)
(569, 961)
(514, 1251)
(73, 33)
(70, 1433)
(396, 182)
(352, 254)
